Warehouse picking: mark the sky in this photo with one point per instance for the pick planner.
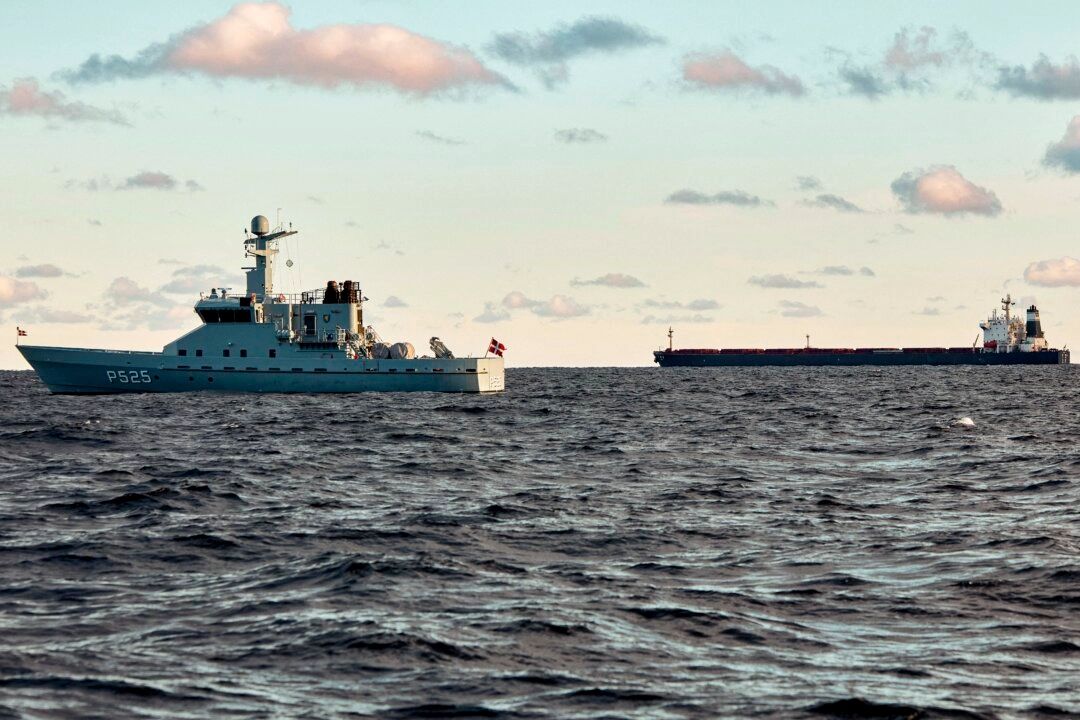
(571, 178)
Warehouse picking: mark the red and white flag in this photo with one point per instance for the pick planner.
(496, 347)
(22, 333)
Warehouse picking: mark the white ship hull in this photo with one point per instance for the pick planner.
(88, 371)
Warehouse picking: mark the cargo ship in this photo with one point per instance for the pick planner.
(1007, 340)
(266, 341)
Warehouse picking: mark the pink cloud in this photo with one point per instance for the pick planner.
(125, 291)
(1054, 273)
(727, 70)
(558, 306)
(945, 191)
(256, 40)
(14, 291)
(150, 179)
(907, 52)
(27, 98)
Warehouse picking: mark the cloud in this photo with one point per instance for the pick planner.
(909, 63)
(699, 304)
(675, 319)
(124, 291)
(617, 280)
(558, 306)
(95, 223)
(1044, 81)
(565, 42)
(561, 306)
(1065, 153)
(807, 183)
(726, 197)
(828, 200)
(383, 245)
(843, 270)
(492, 314)
(131, 306)
(580, 135)
(26, 98)
(1059, 272)
(257, 41)
(393, 301)
(835, 270)
(150, 316)
(428, 135)
(156, 180)
(194, 279)
(39, 271)
(91, 185)
(13, 292)
(943, 190)
(782, 281)
(147, 179)
(930, 311)
(789, 308)
(47, 316)
(726, 71)
(864, 82)
(909, 53)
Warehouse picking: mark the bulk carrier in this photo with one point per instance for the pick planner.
(1007, 340)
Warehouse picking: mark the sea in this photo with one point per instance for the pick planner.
(591, 543)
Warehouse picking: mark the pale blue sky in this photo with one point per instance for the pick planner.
(473, 208)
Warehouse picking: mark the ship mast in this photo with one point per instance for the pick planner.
(670, 332)
(1006, 302)
(263, 247)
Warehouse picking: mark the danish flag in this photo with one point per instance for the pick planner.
(496, 347)
(22, 333)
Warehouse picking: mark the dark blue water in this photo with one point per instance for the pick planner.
(595, 543)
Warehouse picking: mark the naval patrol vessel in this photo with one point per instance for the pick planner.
(268, 341)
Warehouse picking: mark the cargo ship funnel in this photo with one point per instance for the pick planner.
(1034, 325)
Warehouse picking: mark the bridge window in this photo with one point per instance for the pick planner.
(225, 315)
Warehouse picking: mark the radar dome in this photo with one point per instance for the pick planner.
(260, 225)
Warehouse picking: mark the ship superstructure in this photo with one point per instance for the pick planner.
(1008, 333)
(1007, 340)
(268, 341)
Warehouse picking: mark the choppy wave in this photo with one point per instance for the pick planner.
(742, 542)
